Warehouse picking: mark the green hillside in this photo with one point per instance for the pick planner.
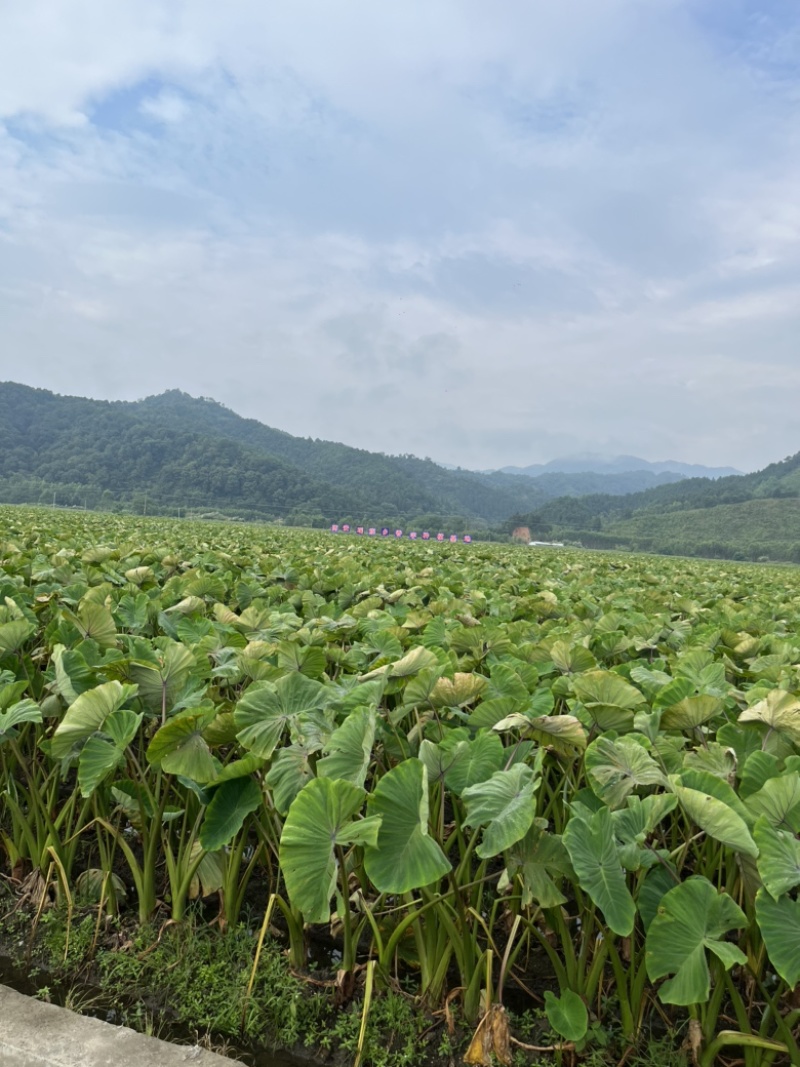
(752, 516)
(755, 529)
(175, 452)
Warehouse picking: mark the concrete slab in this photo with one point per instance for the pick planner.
(34, 1034)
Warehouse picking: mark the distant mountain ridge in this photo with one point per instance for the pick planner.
(746, 516)
(598, 464)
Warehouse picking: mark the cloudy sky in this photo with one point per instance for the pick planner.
(489, 233)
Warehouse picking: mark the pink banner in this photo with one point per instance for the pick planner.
(385, 531)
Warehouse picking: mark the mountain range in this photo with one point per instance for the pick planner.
(177, 454)
(599, 464)
(747, 516)
(174, 451)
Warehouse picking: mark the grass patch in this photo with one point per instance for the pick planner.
(188, 982)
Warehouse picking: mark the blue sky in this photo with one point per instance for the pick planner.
(490, 234)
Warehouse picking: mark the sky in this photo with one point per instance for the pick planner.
(486, 233)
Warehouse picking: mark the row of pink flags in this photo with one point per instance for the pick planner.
(384, 531)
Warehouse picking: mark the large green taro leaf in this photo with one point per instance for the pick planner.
(413, 662)
(405, 857)
(593, 851)
(140, 575)
(178, 747)
(651, 682)
(418, 691)
(458, 691)
(571, 659)
(86, 715)
(717, 819)
(319, 820)
(478, 760)
(267, 709)
(104, 751)
(355, 695)
(441, 757)
(617, 766)
(708, 675)
(691, 918)
(779, 801)
(349, 748)
(73, 674)
(14, 717)
(779, 923)
(290, 772)
(504, 806)
(490, 712)
(161, 673)
(778, 857)
(608, 699)
(566, 1014)
(504, 681)
(634, 823)
(744, 740)
(542, 862)
(96, 622)
(14, 634)
(713, 758)
(757, 770)
(779, 712)
(308, 659)
(132, 611)
(657, 882)
(563, 733)
(11, 689)
(691, 712)
(672, 693)
(230, 805)
(704, 781)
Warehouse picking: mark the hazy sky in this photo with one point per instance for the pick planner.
(489, 233)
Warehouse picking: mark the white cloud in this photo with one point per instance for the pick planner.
(166, 107)
(479, 233)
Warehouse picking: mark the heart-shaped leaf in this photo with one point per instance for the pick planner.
(320, 818)
(593, 851)
(404, 856)
(503, 806)
(691, 918)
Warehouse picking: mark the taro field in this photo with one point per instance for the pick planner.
(477, 770)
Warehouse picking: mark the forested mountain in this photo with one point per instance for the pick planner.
(188, 453)
(174, 451)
